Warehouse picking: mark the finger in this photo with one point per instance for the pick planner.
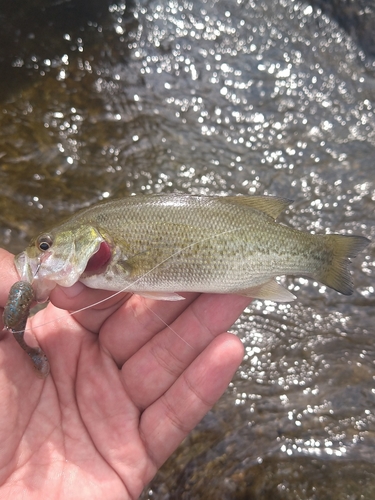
(134, 324)
(166, 356)
(89, 307)
(168, 421)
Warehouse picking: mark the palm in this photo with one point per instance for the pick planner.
(123, 391)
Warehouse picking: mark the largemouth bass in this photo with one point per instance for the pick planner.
(159, 245)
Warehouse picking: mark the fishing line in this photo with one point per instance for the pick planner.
(169, 326)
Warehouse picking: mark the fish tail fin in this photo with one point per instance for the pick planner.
(336, 275)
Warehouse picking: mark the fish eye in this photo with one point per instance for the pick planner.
(44, 242)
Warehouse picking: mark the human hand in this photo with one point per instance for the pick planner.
(123, 392)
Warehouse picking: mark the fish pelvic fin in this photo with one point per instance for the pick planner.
(270, 205)
(271, 290)
(337, 274)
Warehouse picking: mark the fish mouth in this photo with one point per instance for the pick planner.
(24, 266)
(51, 268)
(28, 270)
(28, 267)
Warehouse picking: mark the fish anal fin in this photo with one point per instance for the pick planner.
(172, 296)
(271, 290)
(270, 205)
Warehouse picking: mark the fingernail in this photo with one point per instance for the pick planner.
(73, 291)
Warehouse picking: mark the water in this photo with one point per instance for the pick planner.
(217, 98)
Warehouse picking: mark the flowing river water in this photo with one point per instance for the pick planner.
(101, 100)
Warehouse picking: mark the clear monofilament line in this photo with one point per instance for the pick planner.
(169, 327)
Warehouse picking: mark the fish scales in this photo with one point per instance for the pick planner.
(159, 245)
(213, 245)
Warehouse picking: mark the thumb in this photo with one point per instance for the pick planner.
(79, 296)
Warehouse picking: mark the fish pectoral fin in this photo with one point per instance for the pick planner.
(271, 290)
(161, 295)
(270, 205)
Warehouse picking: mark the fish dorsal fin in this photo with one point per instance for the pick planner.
(270, 205)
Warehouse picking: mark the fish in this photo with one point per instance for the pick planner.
(161, 245)
(15, 315)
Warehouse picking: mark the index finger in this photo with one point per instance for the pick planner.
(91, 307)
(166, 422)
(165, 357)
